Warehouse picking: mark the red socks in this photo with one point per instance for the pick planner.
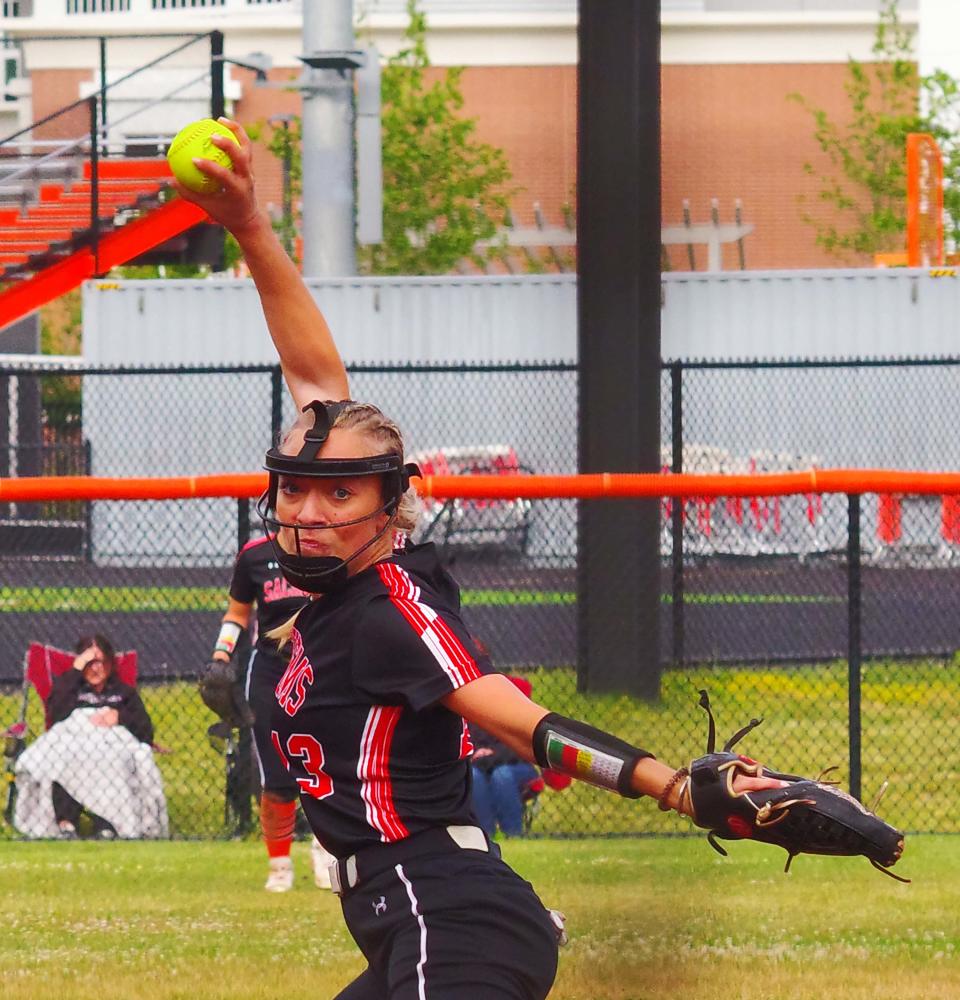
(276, 822)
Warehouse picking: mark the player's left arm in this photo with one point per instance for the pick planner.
(495, 704)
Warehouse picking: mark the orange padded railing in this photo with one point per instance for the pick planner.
(606, 484)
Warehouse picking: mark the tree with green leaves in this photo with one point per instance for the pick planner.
(284, 142)
(866, 185)
(444, 190)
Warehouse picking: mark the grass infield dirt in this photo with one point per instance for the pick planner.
(649, 919)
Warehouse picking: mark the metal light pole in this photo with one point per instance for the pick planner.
(327, 138)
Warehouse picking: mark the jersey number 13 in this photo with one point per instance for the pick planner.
(305, 748)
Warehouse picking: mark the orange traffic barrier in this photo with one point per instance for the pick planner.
(496, 487)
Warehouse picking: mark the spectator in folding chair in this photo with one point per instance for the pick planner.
(95, 757)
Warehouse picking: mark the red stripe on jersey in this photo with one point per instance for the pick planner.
(398, 582)
(455, 650)
(275, 740)
(373, 770)
(436, 634)
(466, 743)
(254, 542)
(404, 594)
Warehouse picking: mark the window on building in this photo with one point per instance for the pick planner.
(97, 6)
(186, 4)
(17, 8)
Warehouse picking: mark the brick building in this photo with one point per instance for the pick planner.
(729, 130)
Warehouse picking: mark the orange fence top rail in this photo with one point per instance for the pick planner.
(506, 487)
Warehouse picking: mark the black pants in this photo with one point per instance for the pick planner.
(66, 807)
(450, 926)
(263, 675)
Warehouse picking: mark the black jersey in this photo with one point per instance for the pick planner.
(71, 691)
(358, 719)
(257, 578)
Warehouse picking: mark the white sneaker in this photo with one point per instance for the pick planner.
(280, 878)
(322, 860)
(559, 921)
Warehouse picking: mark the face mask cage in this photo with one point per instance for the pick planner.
(319, 574)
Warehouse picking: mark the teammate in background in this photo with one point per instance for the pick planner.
(371, 713)
(258, 582)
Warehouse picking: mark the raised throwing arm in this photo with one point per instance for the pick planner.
(309, 357)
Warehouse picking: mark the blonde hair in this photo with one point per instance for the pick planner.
(282, 633)
(370, 420)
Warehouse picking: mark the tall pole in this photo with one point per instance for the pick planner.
(217, 100)
(854, 642)
(327, 123)
(287, 190)
(618, 261)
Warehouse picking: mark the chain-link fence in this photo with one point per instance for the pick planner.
(791, 608)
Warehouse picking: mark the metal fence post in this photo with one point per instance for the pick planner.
(94, 183)
(103, 90)
(217, 101)
(854, 650)
(87, 504)
(677, 583)
(243, 522)
(276, 404)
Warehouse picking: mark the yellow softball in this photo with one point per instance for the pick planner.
(192, 141)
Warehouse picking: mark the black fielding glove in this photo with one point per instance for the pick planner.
(220, 691)
(806, 816)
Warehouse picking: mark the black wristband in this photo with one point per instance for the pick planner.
(581, 751)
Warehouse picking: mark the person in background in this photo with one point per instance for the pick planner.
(259, 595)
(502, 780)
(93, 684)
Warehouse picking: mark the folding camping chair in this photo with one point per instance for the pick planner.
(476, 525)
(41, 664)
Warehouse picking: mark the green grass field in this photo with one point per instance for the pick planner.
(649, 919)
(103, 599)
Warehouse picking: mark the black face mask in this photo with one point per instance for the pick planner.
(322, 574)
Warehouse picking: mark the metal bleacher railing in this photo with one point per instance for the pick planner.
(66, 189)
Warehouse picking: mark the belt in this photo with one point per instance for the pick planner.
(348, 873)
